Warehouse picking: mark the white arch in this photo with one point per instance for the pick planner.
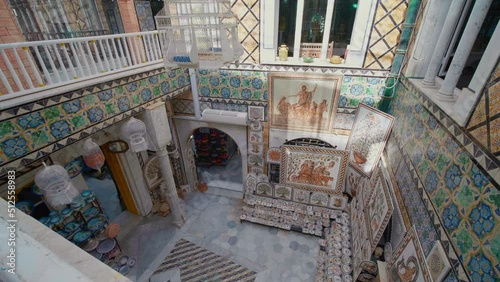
(185, 126)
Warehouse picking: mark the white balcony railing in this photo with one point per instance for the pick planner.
(28, 67)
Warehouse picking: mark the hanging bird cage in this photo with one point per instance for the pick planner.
(198, 34)
(56, 185)
(135, 133)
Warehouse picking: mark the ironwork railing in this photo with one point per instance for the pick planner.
(25, 67)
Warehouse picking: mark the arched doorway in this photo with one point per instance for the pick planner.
(185, 128)
(216, 157)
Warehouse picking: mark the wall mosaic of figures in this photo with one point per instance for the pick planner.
(32, 131)
(235, 90)
(447, 179)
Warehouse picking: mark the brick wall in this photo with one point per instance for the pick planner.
(129, 16)
(10, 32)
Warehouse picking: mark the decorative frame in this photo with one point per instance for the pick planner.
(256, 113)
(409, 252)
(151, 172)
(264, 189)
(367, 140)
(298, 168)
(250, 183)
(318, 107)
(283, 192)
(379, 210)
(437, 262)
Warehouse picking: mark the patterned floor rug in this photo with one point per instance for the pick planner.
(198, 264)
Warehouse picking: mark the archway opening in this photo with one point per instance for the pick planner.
(217, 158)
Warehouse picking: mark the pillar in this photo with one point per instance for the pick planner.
(156, 121)
(476, 19)
(443, 42)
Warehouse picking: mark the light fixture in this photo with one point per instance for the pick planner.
(198, 34)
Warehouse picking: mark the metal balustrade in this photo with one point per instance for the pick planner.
(27, 67)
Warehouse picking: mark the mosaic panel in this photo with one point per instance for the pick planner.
(233, 85)
(144, 15)
(446, 171)
(384, 37)
(57, 120)
(366, 90)
(484, 123)
(248, 14)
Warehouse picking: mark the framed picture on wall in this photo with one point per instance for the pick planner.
(313, 168)
(408, 262)
(379, 210)
(368, 137)
(303, 102)
(438, 263)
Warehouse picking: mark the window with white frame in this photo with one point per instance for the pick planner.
(317, 29)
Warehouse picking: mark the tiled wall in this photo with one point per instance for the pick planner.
(446, 179)
(32, 131)
(234, 90)
(484, 124)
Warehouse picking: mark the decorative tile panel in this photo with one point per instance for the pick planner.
(248, 14)
(366, 90)
(484, 124)
(65, 118)
(384, 38)
(454, 179)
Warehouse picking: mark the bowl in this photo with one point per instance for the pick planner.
(335, 60)
(359, 158)
(308, 59)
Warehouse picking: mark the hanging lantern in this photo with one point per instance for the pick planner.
(198, 34)
(134, 132)
(92, 155)
(56, 186)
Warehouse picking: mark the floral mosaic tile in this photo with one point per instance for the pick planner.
(355, 90)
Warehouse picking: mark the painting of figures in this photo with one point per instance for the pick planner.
(314, 169)
(303, 102)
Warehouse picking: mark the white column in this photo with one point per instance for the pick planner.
(476, 19)
(156, 121)
(194, 91)
(171, 191)
(442, 44)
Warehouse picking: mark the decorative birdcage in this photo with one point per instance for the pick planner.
(198, 34)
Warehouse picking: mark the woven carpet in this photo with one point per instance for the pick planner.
(198, 264)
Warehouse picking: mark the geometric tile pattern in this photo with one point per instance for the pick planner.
(384, 37)
(248, 14)
(484, 123)
(307, 69)
(455, 180)
(34, 130)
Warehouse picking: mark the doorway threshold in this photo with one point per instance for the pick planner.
(222, 191)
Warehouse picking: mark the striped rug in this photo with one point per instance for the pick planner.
(198, 264)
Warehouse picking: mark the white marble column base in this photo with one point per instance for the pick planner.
(446, 97)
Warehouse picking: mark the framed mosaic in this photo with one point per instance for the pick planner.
(379, 210)
(256, 148)
(438, 263)
(337, 202)
(264, 189)
(408, 261)
(256, 160)
(282, 192)
(353, 181)
(256, 113)
(273, 155)
(255, 125)
(313, 168)
(301, 196)
(303, 102)
(319, 199)
(368, 137)
(256, 136)
(256, 169)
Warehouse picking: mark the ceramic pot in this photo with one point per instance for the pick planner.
(283, 52)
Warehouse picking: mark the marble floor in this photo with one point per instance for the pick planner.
(213, 223)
